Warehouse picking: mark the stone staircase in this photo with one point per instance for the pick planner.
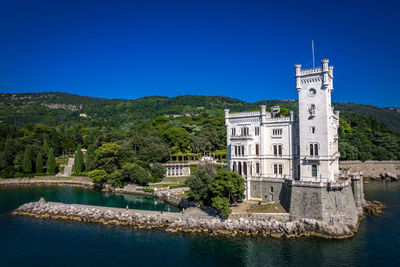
(68, 168)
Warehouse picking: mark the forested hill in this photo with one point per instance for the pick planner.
(54, 108)
(37, 129)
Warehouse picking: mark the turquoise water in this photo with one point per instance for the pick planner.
(37, 242)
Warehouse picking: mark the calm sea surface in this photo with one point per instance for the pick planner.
(28, 241)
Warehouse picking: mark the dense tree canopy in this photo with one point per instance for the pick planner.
(216, 187)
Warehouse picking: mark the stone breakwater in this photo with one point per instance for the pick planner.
(178, 222)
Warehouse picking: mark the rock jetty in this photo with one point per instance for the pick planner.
(178, 222)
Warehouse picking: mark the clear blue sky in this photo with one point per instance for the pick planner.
(242, 49)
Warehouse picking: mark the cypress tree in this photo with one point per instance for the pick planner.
(39, 163)
(90, 159)
(51, 162)
(46, 145)
(27, 162)
(78, 163)
(8, 149)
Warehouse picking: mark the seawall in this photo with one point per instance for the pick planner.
(178, 222)
(373, 168)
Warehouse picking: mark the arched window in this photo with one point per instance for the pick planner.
(257, 149)
(316, 149)
(234, 167)
(311, 149)
(257, 168)
(280, 169)
(244, 168)
(240, 168)
(272, 189)
(280, 150)
(275, 169)
(275, 150)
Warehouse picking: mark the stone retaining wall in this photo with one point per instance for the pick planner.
(178, 222)
(282, 217)
(372, 168)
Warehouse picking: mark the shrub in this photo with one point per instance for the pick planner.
(99, 177)
(157, 172)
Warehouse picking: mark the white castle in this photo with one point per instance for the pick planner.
(269, 149)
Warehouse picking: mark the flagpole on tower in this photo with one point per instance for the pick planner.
(312, 48)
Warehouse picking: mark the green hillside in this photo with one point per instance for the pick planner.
(55, 108)
(150, 130)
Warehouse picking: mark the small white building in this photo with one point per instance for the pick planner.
(268, 149)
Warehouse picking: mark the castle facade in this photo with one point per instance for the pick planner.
(294, 160)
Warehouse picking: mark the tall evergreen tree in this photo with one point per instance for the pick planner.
(78, 163)
(8, 149)
(46, 145)
(39, 163)
(90, 158)
(51, 162)
(27, 162)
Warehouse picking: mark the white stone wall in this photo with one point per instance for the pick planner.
(292, 135)
(319, 128)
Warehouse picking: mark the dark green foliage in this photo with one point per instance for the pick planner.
(79, 165)
(39, 163)
(365, 138)
(27, 162)
(199, 183)
(90, 163)
(178, 139)
(228, 184)
(216, 188)
(51, 162)
(99, 177)
(134, 173)
(108, 157)
(149, 129)
(157, 172)
(45, 145)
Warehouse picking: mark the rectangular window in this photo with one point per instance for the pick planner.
(298, 171)
(280, 169)
(257, 131)
(236, 151)
(242, 150)
(312, 129)
(277, 132)
(314, 170)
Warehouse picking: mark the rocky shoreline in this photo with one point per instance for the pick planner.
(178, 222)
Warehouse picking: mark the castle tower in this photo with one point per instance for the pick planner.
(318, 124)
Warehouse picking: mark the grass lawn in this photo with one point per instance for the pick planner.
(174, 179)
(171, 186)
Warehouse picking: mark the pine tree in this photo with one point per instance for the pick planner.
(90, 159)
(78, 163)
(39, 163)
(51, 162)
(27, 162)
